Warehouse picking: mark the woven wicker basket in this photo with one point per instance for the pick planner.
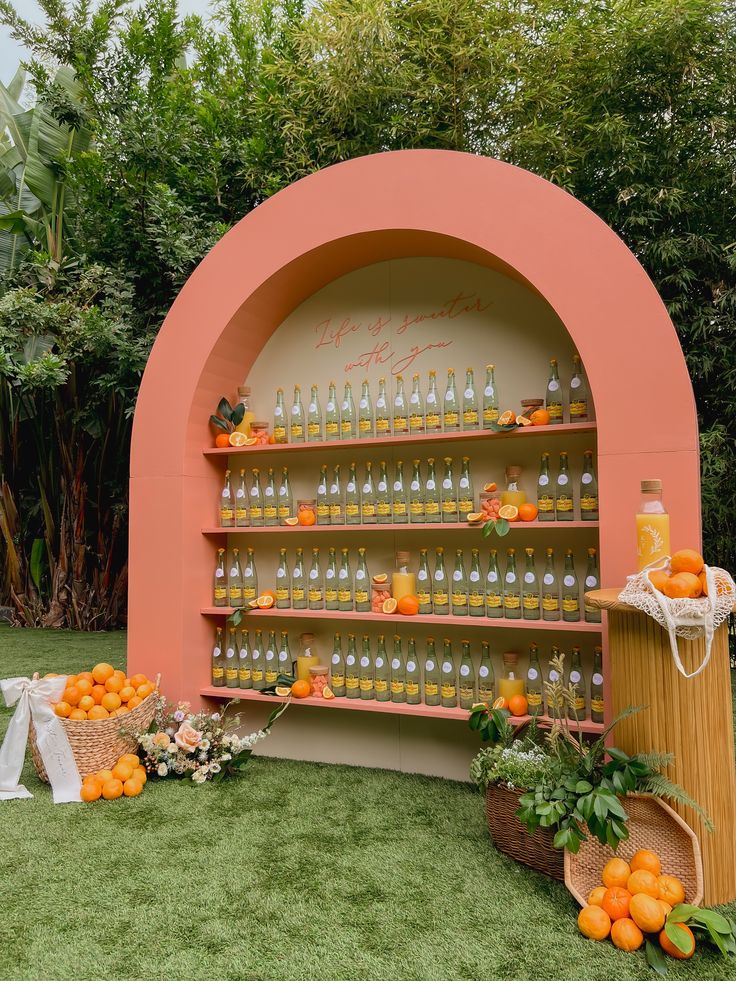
(652, 824)
(98, 744)
(511, 837)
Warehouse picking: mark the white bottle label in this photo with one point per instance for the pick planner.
(447, 667)
(532, 674)
(281, 573)
(364, 661)
(483, 671)
(345, 405)
(488, 391)
(379, 662)
(322, 489)
(220, 574)
(553, 385)
(278, 411)
(575, 383)
(528, 577)
(510, 577)
(360, 574)
(414, 398)
(411, 666)
(330, 406)
(397, 485)
(431, 399)
(562, 479)
(553, 675)
(399, 402)
(234, 573)
(333, 488)
(574, 677)
(447, 483)
(350, 660)
(240, 492)
(330, 574)
(431, 484)
(396, 664)
(363, 403)
(254, 491)
(429, 665)
(313, 574)
(415, 485)
(439, 576)
(569, 580)
(230, 652)
(591, 581)
(543, 480)
(469, 393)
(587, 478)
(216, 652)
(335, 658)
(380, 402)
(492, 577)
(597, 679)
(548, 579)
(366, 488)
(270, 492)
(295, 409)
(449, 396)
(475, 576)
(312, 406)
(457, 575)
(464, 670)
(226, 492)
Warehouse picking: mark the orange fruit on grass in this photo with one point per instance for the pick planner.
(408, 605)
(126, 693)
(528, 512)
(626, 935)
(137, 680)
(97, 713)
(616, 872)
(596, 895)
(307, 517)
(83, 686)
(62, 709)
(131, 787)
(540, 417)
(594, 923)
(98, 693)
(643, 881)
(645, 859)
(90, 791)
(102, 671)
(300, 689)
(518, 705)
(646, 913)
(71, 695)
(104, 775)
(112, 789)
(111, 701)
(143, 692)
(222, 440)
(122, 771)
(659, 579)
(113, 684)
(669, 948)
(683, 585)
(687, 560)
(77, 715)
(616, 902)
(86, 702)
(670, 889)
(131, 759)
(140, 774)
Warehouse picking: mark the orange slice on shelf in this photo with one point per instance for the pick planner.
(237, 439)
(509, 512)
(507, 418)
(282, 691)
(500, 703)
(291, 522)
(327, 692)
(474, 518)
(380, 578)
(523, 421)
(264, 602)
(389, 605)
(251, 441)
(490, 488)
(253, 604)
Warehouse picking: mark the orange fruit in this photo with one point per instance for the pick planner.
(111, 701)
(666, 908)
(643, 881)
(77, 715)
(62, 709)
(594, 923)
(518, 705)
(509, 512)
(683, 585)
(670, 889)
(86, 676)
(104, 775)
(131, 787)
(616, 872)
(237, 439)
(137, 680)
(626, 935)
(644, 859)
(112, 789)
(71, 679)
(490, 488)
(380, 578)
(86, 702)
(408, 606)
(596, 895)
(528, 512)
(389, 605)
(659, 579)
(90, 791)
(143, 692)
(507, 418)
(140, 774)
(126, 693)
(300, 689)
(646, 913)
(102, 671)
(114, 684)
(500, 703)
(222, 440)
(475, 517)
(616, 902)
(264, 602)
(97, 713)
(307, 517)
(98, 693)
(327, 692)
(83, 686)
(687, 560)
(117, 673)
(540, 417)
(71, 695)
(134, 702)
(131, 759)
(669, 948)
(122, 771)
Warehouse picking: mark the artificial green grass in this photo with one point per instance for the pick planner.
(299, 871)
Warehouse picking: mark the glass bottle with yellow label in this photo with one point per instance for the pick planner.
(471, 417)
(256, 652)
(597, 708)
(588, 489)
(490, 399)
(256, 500)
(553, 396)
(314, 417)
(550, 589)
(578, 392)
(413, 675)
(366, 670)
(352, 670)
(297, 427)
(362, 585)
(545, 492)
(494, 588)
(348, 426)
(250, 577)
(401, 409)
(271, 660)
(511, 683)
(476, 592)
(323, 497)
(337, 668)
(511, 588)
(220, 584)
(383, 410)
(416, 408)
(432, 411)
(449, 493)
(245, 679)
(432, 512)
(570, 590)
(344, 583)
(316, 589)
(466, 683)
(227, 511)
(231, 659)
(368, 497)
(448, 677)
(270, 502)
(431, 675)
(459, 589)
(424, 583)
(530, 592)
(366, 428)
(564, 503)
(383, 496)
(398, 672)
(652, 525)
(486, 675)
(400, 497)
(576, 679)
(299, 598)
(440, 585)
(235, 581)
(337, 508)
(279, 418)
(592, 581)
(286, 665)
(416, 494)
(332, 414)
(450, 406)
(241, 502)
(218, 660)
(381, 672)
(465, 494)
(331, 601)
(286, 499)
(534, 682)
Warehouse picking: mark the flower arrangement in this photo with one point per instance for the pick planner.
(198, 746)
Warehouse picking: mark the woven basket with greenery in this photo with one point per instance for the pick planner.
(512, 838)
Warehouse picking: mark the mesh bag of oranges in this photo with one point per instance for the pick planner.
(686, 597)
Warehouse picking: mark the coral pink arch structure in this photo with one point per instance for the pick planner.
(407, 203)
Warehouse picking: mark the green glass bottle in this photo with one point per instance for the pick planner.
(332, 414)
(316, 589)
(592, 581)
(245, 679)
(465, 493)
(401, 410)
(314, 417)
(416, 495)
(286, 664)
(530, 591)
(297, 428)
(383, 496)
(218, 661)
(471, 417)
(383, 411)
(413, 675)
(227, 511)
(235, 581)
(476, 592)
(299, 597)
(431, 675)
(368, 497)
(448, 677)
(323, 497)
(578, 392)
(270, 502)
(352, 498)
(577, 680)
(400, 498)
(352, 670)
(250, 577)
(241, 502)
(597, 705)
(570, 590)
(345, 596)
(588, 489)
(362, 585)
(271, 659)
(331, 600)
(553, 397)
(534, 682)
(550, 589)
(337, 669)
(450, 406)
(256, 500)
(398, 673)
(219, 592)
(256, 651)
(449, 493)
(381, 672)
(286, 499)
(348, 427)
(366, 428)
(440, 585)
(432, 412)
(279, 418)
(486, 675)
(545, 492)
(366, 670)
(416, 407)
(432, 511)
(459, 589)
(337, 508)
(511, 588)
(424, 583)
(490, 399)
(564, 504)
(466, 683)
(494, 588)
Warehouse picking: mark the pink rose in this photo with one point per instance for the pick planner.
(161, 739)
(187, 738)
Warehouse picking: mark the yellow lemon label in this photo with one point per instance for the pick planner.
(338, 680)
(432, 507)
(578, 408)
(470, 417)
(382, 424)
(531, 602)
(452, 418)
(493, 600)
(511, 601)
(476, 599)
(381, 684)
(534, 698)
(588, 503)
(545, 504)
(490, 414)
(220, 592)
(297, 431)
(448, 691)
(218, 673)
(352, 682)
(312, 429)
(570, 604)
(279, 434)
(433, 420)
(331, 428)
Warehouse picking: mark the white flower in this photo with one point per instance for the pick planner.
(178, 716)
(198, 776)
(215, 767)
(215, 716)
(171, 731)
(226, 756)
(202, 757)
(205, 744)
(178, 767)
(162, 769)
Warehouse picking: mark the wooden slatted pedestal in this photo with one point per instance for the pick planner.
(691, 718)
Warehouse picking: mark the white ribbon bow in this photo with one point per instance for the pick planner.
(34, 699)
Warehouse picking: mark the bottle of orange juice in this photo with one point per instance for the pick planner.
(652, 525)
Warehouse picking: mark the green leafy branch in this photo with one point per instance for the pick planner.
(229, 417)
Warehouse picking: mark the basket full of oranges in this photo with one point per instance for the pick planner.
(99, 710)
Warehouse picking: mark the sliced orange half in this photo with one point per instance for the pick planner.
(380, 578)
(507, 418)
(509, 512)
(253, 604)
(500, 703)
(490, 488)
(327, 692)
(282, 691)
(389, 605)
(474, 517)
(251, 441)
(523, 421)
(264, 602)
(238, 439)
(291, 522)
